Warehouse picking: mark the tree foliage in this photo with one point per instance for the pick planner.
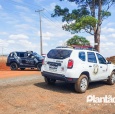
(88, 16)
(78, 40)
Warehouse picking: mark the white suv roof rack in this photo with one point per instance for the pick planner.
(77, 48)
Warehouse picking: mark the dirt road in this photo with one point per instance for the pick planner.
(24, 92)
(32, 96)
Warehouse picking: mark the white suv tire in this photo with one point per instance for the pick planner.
(111, 79)
(49, 81)
(81, 84)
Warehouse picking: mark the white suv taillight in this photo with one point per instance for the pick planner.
(70, 63)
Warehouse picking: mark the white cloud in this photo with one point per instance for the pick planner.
(20, 1)
(3, 43)
(12, 21)
(51, 6)
(52, 24)
(45, 44)
(110, 24)
(107, 30)
(25, 9)
(38, 1)
(20, 45)
(91, 39)
(47, 36)
(24, 42)
(27, 19)
(18, 36)
(27, 45)
(3, 33)
(11, 41)
(1, 7)
(106, 44)
(23, 27)
(61, 43)
(103, 38)
(112, 35)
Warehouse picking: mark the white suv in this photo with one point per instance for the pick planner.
(77, 66)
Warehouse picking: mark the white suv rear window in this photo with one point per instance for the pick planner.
(59, 54)
(82, 56)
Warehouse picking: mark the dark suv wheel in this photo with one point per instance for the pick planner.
(13, 66)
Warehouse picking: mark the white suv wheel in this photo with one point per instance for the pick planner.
(84, 84)
(111, 79)
(81, 84)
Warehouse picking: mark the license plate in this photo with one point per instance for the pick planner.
(53, 68)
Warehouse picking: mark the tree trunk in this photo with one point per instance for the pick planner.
(97, 41)
(98, 29)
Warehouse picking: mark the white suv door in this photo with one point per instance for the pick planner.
(103, 67)
(93, 66)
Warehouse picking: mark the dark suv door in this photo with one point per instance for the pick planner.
(30, 60)
(23, 59)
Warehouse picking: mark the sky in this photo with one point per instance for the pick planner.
(20, 27)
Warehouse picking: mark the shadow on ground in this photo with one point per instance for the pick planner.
(63, 87)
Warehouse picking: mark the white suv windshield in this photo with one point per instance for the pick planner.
(59, 54)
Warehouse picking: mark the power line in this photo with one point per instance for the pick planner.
(53, 23)
(50, 20)
(44, 14)
(35, 6)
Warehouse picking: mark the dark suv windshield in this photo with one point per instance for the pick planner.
(37, 55)
(59, 54)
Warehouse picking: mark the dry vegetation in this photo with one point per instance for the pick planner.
(111, 59)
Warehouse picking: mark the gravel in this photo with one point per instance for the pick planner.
(16, 81)
(31, 95)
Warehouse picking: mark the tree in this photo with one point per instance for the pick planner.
(78, 40)
(88, 16)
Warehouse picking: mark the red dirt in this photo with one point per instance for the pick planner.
(39, 98)
(7, 74)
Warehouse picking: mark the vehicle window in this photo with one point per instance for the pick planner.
(25, 54)
(101, 59)
(59, 54)
(82, 56)
(91, 57)
(18, 54)
(21, 54)
(37, 55)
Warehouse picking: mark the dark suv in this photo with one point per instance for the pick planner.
(24, 60)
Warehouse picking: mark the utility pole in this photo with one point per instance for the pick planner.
(41, 48)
